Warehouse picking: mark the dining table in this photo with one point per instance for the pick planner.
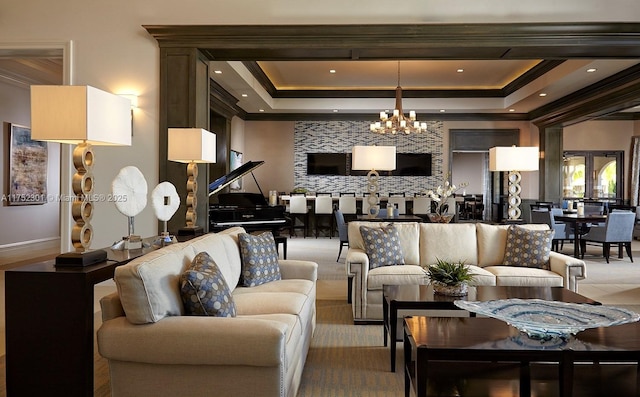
(577, 221)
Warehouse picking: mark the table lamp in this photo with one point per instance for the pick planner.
(191, 146)
(373, 159)
(514, 159)
(84, 116)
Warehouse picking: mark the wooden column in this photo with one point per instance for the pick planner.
(550, 173)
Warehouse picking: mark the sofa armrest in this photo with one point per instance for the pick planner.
(571, 269)
(194, 340)
(295, 269)
(111, 307)
(357, 268)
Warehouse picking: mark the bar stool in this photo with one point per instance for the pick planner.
(347, 206)
(324, 211)
(298, 209)
(421, 206)
(399, 202)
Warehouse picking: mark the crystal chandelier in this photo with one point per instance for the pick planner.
(398, 122)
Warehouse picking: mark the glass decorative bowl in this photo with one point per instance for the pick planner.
(541, 319)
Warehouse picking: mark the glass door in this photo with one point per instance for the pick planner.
(593, 175)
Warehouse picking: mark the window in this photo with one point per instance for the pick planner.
(593, 175)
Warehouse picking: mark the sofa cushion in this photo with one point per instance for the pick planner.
(525, 277)
(528, 248)
(259, 259)
(453, 242)
(204, 290)
(409, 238)
(481, 277)
(382, 245)
(396, 275)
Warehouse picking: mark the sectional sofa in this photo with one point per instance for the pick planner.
(154, 349)
(481, 246)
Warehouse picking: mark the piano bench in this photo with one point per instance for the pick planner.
(281, 240)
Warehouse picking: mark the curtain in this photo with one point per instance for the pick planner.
(635, 170)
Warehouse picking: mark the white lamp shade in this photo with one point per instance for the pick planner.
(191, 145)
(514, 158)
(380, 158)
(74, 114)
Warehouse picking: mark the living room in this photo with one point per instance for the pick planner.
(107, 46)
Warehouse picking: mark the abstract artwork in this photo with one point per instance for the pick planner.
(27, 179)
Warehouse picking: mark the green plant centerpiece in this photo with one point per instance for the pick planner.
(449, 278)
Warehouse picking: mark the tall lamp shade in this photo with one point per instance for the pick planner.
(191, 146)
(373, 159)
(84, 116)
(514, 159)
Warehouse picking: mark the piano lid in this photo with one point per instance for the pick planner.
(226, 180)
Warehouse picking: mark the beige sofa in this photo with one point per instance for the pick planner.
(154, 350)
(481, 246)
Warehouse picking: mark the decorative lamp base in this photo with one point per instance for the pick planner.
(80, 259)
(191, 231)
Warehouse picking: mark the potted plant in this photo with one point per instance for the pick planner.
(449, 278)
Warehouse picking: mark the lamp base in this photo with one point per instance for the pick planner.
(191, 231)
(81, 259)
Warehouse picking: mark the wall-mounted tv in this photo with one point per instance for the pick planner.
(407, 164)
(326, 164)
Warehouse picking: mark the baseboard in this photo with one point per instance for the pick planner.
(367, 322)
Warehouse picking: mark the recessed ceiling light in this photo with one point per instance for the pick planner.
(512, 110)
(217, 71)
(244, 95)
(335, 110)
(261, 110)
(591, 70)
(442, 110)
(332, 71)
(542, 94)
(460, 70)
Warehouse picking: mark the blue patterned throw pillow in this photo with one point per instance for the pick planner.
(382, 246)
(528, 248)
(204, 290)
(259, 259)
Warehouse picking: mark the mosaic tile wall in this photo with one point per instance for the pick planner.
(341, 136)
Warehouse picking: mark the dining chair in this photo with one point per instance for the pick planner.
(561, 230)
(618, 229)
(347, 205)
(323, 210)
(399, 202)
(298, 210)
(343, 232)
(421, 206)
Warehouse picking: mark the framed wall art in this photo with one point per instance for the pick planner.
(27, 167)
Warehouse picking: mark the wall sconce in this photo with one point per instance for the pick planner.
(84, 116)
(373, 159)
(513, 160)
(191, 146)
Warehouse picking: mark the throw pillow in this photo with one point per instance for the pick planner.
(259, 259)
(204, 290)
(528, 248)
(382, 246)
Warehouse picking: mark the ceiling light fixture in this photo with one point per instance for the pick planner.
(398, 122)
(591, 70)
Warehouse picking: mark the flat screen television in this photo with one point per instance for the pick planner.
(412, 164)
(326, 164)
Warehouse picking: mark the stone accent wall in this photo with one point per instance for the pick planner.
(341, 136)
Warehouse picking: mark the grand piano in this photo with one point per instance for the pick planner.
(248, 210)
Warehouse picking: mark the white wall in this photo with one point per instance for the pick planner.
(26, 223)
(113, 52)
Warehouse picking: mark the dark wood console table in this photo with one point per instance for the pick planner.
(49, 326)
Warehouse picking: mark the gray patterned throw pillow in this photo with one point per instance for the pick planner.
(528, 248)
(259, 259)
(382, 246)
(204, 290)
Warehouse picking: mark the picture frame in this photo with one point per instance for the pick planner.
(27, 167)
(235, 161)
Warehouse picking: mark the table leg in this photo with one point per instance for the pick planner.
(566, 374)
(525, 379)
(407, 363)
(393, 327)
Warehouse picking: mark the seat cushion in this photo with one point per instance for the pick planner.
(525, 277)
(481, 276)
(396, 275)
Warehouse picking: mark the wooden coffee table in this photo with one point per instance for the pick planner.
(478, 344)
(410, 300)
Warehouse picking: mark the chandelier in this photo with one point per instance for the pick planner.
(398, 122)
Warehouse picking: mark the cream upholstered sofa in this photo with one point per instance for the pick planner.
(481, 246)
(155, 350)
